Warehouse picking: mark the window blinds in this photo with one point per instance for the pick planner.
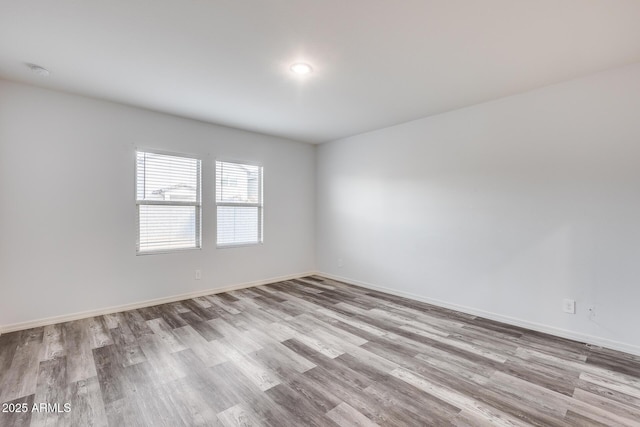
(239, 203)
(168, 202)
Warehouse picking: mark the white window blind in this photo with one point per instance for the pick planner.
(168, 201)
(239, 203)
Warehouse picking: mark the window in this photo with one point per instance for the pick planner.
(239, 203)
(168, 202)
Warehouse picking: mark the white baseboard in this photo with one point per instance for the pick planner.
(563, 333)
(116, 309)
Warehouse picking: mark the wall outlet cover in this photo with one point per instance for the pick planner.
(569, 306)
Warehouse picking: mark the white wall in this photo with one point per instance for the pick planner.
(67, 205)
(504, 208)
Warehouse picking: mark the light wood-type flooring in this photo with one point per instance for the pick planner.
(309, 352)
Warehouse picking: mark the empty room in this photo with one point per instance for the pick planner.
(295, 213)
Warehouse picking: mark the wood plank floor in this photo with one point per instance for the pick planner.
(309, 352)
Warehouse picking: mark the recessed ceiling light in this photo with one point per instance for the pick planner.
(301, 68)
(36, 69)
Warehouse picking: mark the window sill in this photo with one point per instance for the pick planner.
(238, 245)
(166, 251)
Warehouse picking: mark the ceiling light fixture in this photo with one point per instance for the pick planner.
(301, 68)
(36, 69)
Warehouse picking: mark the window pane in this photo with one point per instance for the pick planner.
(167, 178)
(238, 183)
(238, 225)
(167, 227)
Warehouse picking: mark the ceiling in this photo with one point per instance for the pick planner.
(376, 62)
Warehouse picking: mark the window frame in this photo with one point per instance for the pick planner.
(197, 204)
(259, 205)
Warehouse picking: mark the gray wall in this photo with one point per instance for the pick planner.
(67, 205)
(504, 208)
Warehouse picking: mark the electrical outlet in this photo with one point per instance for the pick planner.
(198, 274)
(340, 263)
(569, 306)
